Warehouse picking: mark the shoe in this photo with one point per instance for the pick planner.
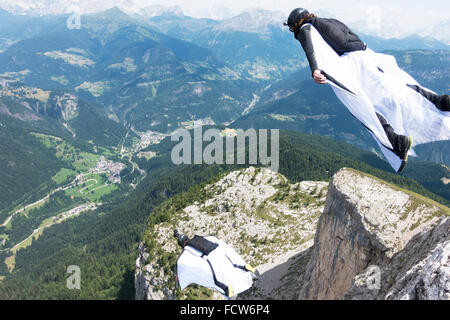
(402, 148)
(443, 102)
(402, 144)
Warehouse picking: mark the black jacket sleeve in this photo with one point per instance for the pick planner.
(304, 36)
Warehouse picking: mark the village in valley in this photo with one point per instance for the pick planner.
(87, 179)
(107, 167)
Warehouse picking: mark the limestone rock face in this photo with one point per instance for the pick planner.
(427, 280)
(268, 221)
(375, 241)
(144, 284)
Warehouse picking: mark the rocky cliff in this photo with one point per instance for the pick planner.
(266, 219)
(353, 238)
(375, 241)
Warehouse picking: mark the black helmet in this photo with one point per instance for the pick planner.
(295, 16)
(182, 239)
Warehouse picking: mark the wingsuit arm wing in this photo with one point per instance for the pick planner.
(304, 37)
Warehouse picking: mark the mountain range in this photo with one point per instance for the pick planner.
(374, 22)
(86, 116)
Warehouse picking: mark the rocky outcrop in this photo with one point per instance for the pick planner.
(266, 219)
(150, 287)
(375, 241)
(354, 238)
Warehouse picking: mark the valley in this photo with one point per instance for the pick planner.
(86, 179)
(10, 261)
(86, 117)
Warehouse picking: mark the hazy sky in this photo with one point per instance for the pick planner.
(403, 16)
(409, 11)
(347, 9)
(399, 17)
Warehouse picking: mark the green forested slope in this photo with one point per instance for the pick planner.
(25, 163)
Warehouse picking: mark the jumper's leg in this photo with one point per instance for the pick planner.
(441, 102)
(401, 144)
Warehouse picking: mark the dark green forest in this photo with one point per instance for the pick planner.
(25, 163)
(57, 203)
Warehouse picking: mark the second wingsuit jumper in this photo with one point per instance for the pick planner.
(212, 263)
(371, 85)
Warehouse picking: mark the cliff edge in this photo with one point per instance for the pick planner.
(270, 222)
(376, 241)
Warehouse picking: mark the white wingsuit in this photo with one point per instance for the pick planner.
(367, 83)
(219, 265)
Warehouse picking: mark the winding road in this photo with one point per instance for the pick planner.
(56, 219)
(68, 186)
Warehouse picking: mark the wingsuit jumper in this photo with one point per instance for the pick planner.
(397, 111)
(211, 263)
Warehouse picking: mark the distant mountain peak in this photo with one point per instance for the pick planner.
(439, 32)
(253, 20)
(114, 12)
(158, 10)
